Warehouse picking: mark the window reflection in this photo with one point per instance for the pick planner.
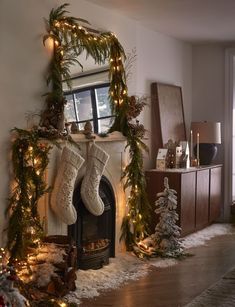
(90, 104)
(102, 100)
(69, 111)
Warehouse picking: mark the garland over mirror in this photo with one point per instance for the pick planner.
(69, 39)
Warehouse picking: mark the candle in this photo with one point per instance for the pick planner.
(198, 149)
(191, 146)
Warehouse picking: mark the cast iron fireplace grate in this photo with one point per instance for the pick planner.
(94, 235)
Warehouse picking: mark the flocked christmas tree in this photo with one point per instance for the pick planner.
(167, 233)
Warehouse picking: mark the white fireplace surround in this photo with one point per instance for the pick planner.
(114, 144)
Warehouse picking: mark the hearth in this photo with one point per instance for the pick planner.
(94, 235)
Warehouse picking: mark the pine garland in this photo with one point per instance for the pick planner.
(135, 224)
(30, 159)
(70, 40)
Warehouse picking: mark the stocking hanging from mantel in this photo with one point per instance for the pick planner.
(97, 160)
(62, 194)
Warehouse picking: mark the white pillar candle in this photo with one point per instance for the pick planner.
(191, 145)
(197, 148)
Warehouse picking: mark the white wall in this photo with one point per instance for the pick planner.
(23, 62)
(161, 58)
(209, 104)
(209, 86)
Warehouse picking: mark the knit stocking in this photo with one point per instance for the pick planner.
(97, 161)
(61, 197)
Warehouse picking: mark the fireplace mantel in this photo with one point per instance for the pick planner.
(115, 136)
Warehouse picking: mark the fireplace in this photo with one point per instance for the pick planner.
(114, 145)
(94, 235)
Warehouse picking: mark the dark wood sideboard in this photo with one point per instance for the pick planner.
(198, 192)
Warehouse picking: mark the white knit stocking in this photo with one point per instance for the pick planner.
(97, 160)
(61, 197)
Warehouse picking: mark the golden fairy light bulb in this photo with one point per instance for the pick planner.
(80, 28)
(50, 44)
(124, 92)
(35, 161)
(38, 173)
(30, 148)
(63, 304)
(57, 24)
(57, 43)
(111, 60)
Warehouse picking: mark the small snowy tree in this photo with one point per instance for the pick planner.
(167, 233)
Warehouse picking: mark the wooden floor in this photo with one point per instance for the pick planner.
(177, 285)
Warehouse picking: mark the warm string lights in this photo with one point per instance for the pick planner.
(135, 224)
(37, 270)
(30, 159)
(70, 40)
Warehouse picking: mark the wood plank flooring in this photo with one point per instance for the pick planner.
(177, 285)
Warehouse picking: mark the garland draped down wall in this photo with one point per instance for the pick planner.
(30, 155)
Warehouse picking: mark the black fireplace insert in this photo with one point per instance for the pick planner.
(94, 236)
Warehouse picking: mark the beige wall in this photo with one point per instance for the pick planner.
(209, 86)
(161, 58)
(23, 62)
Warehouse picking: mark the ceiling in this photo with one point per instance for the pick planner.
(188, 20)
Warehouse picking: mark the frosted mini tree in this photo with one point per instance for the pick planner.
(167, 233)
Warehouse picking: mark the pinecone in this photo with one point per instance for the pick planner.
(135, 106)
(137, 129)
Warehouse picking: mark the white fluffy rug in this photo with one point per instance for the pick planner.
(121, 269)
(198, 238)
(127, 267)
(201, 237)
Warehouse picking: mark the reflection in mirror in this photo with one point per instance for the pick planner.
(89, 100)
